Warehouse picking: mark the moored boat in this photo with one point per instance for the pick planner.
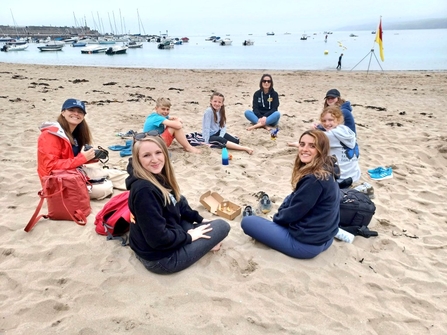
(116, 50)
(94, 49)
(248, 42)
(134, 45)
(271, 34)
(168, 44)
(14, 47)
(78, 44)
(51, 47)
(226, 41)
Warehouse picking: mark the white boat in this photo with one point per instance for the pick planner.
(94, 49)
(271, 34)
(14, 47)
(167, 44)
(116, 50)
(248, 42)
(51, 47)
(106, 41)
(134, 45)
(226, 41)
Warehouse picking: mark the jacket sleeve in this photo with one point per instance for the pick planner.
(275, 102)
(188, 213)
(148, 210)
(255, 105)
(299, 203)
(54, 154)
(348, 119)
(206, 125)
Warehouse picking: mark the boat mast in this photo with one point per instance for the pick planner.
(121, 21)
(110, 23)
(14, 22)
(114, 22)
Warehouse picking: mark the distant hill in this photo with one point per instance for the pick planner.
(402, 25)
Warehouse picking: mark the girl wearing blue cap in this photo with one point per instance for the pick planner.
(61, 144)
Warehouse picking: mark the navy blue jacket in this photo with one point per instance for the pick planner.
(157, 232)
(265, 104)
(347, 115)
(312, 211)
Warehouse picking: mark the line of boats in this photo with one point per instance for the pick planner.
(227, 41)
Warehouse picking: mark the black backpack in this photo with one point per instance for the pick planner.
(356, 212)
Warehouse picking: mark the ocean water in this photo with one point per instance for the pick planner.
(404, 50)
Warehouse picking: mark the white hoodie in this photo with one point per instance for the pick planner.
(344, 145)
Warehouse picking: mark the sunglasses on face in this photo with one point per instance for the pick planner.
(266, 81)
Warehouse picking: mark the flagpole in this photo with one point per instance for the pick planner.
(371, 52)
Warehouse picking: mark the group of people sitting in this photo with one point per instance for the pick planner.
(167, 235)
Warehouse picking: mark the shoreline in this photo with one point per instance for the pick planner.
(64, 278)
(233, 70)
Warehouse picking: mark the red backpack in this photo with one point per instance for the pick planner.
(67, 198)
(113, 220)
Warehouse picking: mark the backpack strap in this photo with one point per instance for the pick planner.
(78, 216)
(36, 218)
(123, 238)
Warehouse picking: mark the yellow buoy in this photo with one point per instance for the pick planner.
(326, 52)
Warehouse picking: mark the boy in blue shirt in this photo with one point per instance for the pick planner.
(168, 126)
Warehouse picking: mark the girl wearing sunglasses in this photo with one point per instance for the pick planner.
(167, 236)
(265, 106)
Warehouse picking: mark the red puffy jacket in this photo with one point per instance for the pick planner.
(54, 150)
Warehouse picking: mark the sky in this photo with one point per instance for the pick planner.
(182, 17)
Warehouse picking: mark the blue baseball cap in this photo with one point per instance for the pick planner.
(71, 103)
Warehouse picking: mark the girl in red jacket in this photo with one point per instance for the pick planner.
(61, 144)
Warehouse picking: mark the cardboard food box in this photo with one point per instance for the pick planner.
(214, 203)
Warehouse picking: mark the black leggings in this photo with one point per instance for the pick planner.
(227, 137)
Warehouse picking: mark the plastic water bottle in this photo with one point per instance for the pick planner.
(274, 133)
(344, 236)
(225, 156)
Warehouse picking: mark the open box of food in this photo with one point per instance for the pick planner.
(216, 204)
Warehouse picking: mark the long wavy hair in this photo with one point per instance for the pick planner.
(335, 111)
(81, 133)
(223, 117)
(271, 79)
(321, 166)
(166, 175)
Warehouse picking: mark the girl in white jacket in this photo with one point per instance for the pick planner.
(343, 142)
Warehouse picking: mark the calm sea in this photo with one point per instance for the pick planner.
(404, 50)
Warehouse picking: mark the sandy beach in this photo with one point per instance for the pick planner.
(62, 278)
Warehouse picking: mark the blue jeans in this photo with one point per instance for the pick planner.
(190, 253)
(279, 238)
(272, 119)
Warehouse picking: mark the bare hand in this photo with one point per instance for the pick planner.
(206, 221)
(262, 120)
(200, 232)
(89, 154)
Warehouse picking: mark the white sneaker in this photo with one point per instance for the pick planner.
(366, 188)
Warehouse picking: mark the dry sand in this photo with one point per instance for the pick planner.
(62, 278)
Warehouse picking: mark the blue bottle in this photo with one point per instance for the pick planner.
(225, 157)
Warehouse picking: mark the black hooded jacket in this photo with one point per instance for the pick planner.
(265, 104)
(157, 232)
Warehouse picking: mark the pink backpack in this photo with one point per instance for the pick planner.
(113, 220)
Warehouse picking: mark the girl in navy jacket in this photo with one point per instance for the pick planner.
(307, 220)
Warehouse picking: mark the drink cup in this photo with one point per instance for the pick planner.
(344, 236)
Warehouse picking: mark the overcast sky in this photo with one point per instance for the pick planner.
(183, 17)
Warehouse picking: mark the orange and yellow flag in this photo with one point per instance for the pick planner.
(379, 39)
